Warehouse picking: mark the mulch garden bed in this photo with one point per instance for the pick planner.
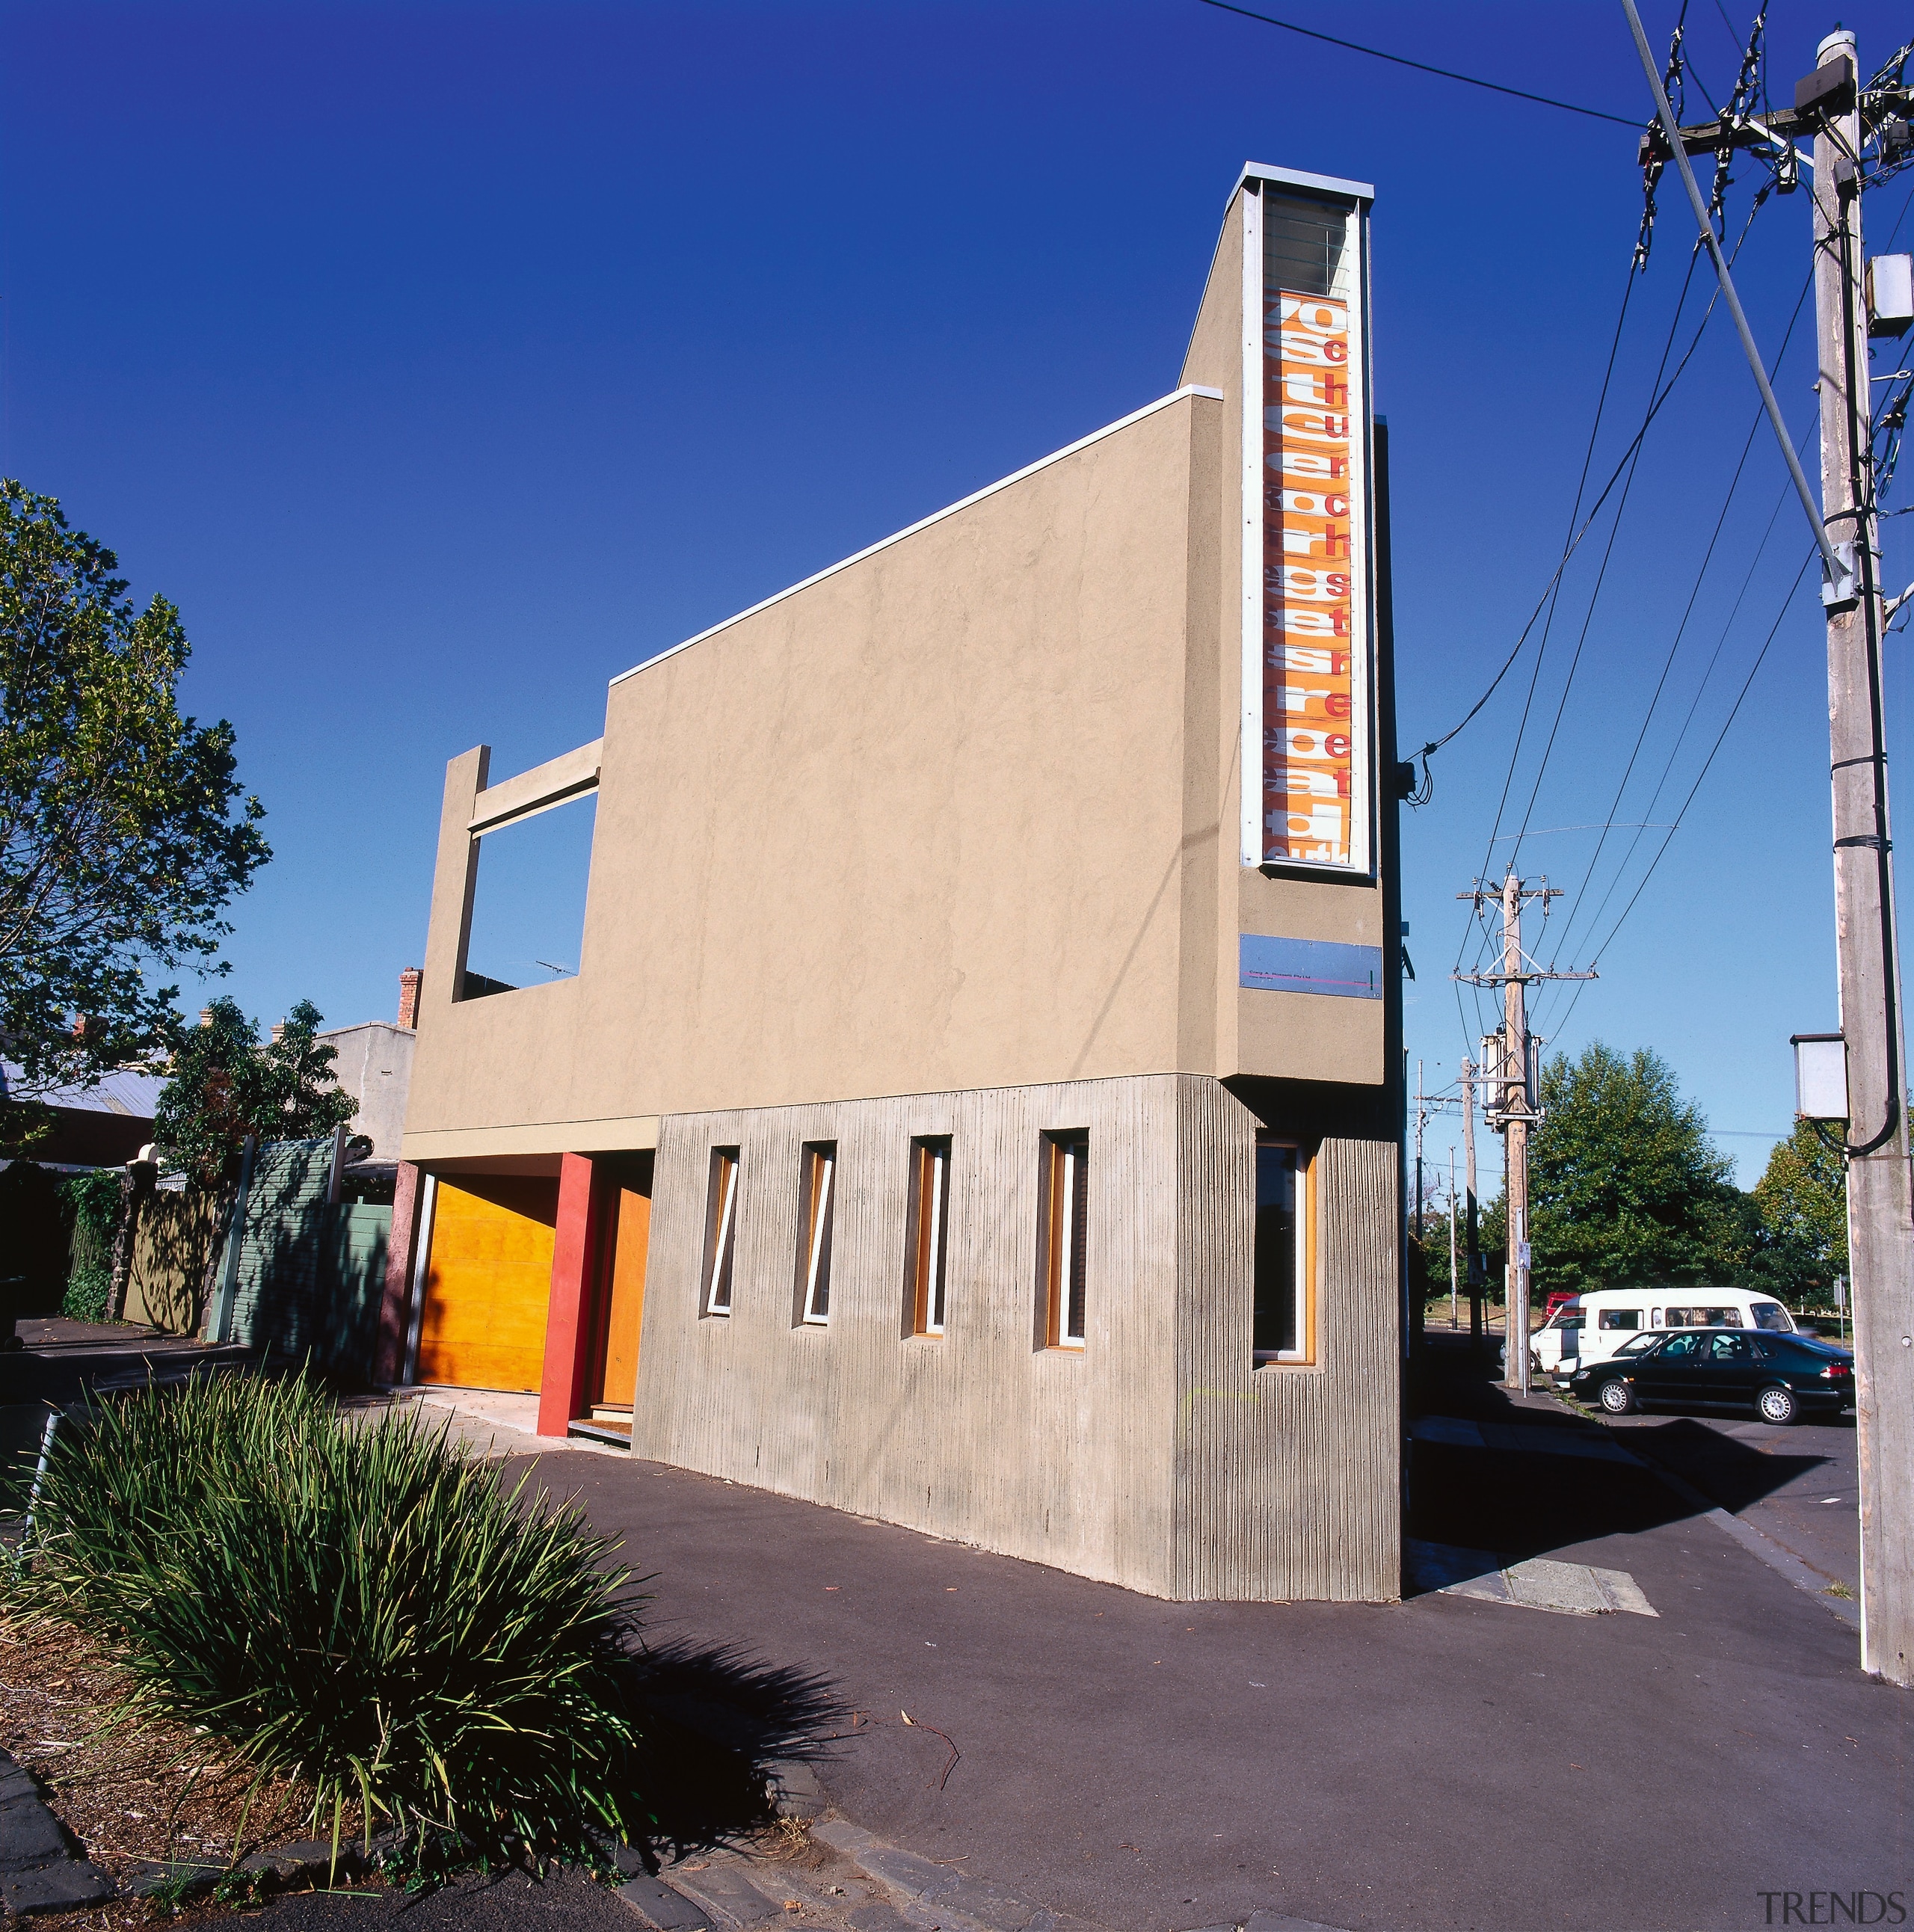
(137, 1791)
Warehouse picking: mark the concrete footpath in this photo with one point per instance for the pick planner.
(1453, 1761)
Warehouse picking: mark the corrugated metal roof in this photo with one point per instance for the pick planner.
(130, 1091)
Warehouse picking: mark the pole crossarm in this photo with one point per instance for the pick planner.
(1519, 978)
(1838, 580)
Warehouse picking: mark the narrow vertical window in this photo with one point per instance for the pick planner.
(1064, 1237)
(720, 1230)
(819, 1169)
(929, 1222)
(1283, 1329)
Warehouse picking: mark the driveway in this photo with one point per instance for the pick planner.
(1446, 1761)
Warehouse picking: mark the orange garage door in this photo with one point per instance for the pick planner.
(488, 1283)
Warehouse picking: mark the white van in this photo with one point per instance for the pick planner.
(1593, 1327)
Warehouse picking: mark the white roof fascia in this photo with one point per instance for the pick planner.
(1355, 190)
(936, 516)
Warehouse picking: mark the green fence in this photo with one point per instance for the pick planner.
(310, 1276)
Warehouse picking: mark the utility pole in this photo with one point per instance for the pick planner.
(1421, 1115)
(1843, 119)
(1474, 1253)
(1880, 1218)
(1452, 1238)
(1520, 1106)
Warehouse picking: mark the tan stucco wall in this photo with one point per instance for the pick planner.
(959, 815)
(1292, 1035)
(920, 825)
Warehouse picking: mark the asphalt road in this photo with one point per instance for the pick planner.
(1440, 1763)
(1798, 1486)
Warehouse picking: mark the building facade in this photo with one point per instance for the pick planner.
(978, 1105)
(374, 1065)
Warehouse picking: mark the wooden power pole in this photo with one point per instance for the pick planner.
(1473, 1258)
(1830, 102)
(1520, 1106)
(1880, 1218)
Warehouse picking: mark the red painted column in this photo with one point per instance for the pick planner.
(388, 1358)
(574, 1267)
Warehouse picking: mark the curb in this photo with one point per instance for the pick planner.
(306, 1861)
(1757, 1542)
(956, 1903)
(38, 1870)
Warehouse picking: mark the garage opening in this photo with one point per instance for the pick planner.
(488, 1283)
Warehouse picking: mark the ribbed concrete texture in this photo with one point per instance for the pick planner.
(1155, 1456)
(1286, 1477)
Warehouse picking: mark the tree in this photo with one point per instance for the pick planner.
(1624, 1186)
(1802, 1200)
(225, 1085)
(120, 843)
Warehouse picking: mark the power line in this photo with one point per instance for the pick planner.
(1423, 67)
(1681, 631)
(1694, 705)
(1588, 622)
(1541, 603)
(1554, 594)
(1550, 594)
(1734, 711)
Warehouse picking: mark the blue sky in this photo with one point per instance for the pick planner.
(442, 362)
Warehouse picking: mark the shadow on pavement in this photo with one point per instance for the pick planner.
(727, 1731)
(1526, 1504)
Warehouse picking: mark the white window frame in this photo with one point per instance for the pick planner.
(936, 1298)
(1069, 1151)
(818, 1155)
(726, 1167)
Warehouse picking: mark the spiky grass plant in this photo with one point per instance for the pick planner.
(368, 1608)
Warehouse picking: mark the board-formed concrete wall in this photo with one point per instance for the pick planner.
(1287, 1478)
(1092, 1460)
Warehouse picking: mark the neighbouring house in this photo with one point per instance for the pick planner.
(374, 1065)
(104, 1125)
(978, 1105)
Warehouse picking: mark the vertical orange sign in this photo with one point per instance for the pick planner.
(1313, 774)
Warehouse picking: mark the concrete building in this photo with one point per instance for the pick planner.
(374, 1065)
(978, 1105)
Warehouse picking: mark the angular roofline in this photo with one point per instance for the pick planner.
(1355, 190)
(936, 516)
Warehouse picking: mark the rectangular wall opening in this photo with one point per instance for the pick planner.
(611, 1384)
(528, 907)
(1062, 1238)
(928, 1235)
(1283, 1325)
(818, 1175)
(721, 1216)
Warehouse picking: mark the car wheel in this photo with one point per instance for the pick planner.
(1617, 1397)
(1778, 1405)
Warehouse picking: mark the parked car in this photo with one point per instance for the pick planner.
(1594, 1326)
(1780, 1377)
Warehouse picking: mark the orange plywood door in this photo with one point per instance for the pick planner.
(625, 1302)
(488, 1283)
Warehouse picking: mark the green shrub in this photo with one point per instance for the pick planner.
(94, 1200)
(366, 1607)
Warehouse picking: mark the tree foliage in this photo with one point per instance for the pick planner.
(1802, 1199)
(225, 1085)
(122, 837)
(1624, 1185)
